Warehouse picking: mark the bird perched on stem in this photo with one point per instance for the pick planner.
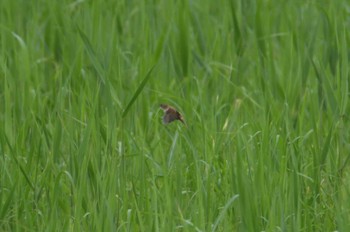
(171, 114)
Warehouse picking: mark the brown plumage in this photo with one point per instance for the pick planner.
(171, 114)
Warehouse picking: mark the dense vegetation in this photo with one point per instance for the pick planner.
(262, 84)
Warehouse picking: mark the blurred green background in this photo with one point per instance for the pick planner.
(262, 84)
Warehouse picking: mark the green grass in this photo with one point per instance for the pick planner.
(263, 87)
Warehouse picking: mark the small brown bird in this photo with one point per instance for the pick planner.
(171, 114)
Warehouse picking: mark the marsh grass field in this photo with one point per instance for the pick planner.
(263, 86)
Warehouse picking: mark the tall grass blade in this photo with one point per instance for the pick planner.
(138, 91)
(183, 45)
(5, 207)
(19, 165)
(172, 149)
(326, 147)
(223, 211)
(237, 31)
(93, 57)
